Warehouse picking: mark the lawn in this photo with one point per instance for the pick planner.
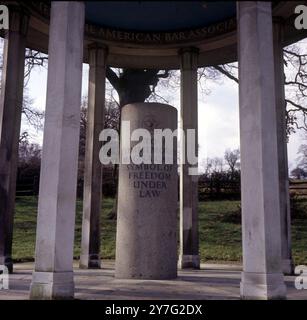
(219, 226)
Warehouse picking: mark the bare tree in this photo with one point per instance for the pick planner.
(213, 165)
(32, 115)
(296, 88)
(302, 159)
(207, 165)
(232, 158)
(295, 63)
(33, 59)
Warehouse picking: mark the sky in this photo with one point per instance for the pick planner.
(218, 115)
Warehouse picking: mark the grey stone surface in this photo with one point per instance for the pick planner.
(58, 180)
(90, 244)
(262, 276)
(283, 173)
(52, 285)
(10, 117)
(146, 243)
(212, 281)
(189, 242)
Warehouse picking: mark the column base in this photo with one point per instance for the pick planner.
(7, 262)
(52, 286)
(288, 266)
(189, 261)
(90, 262)
(263, 286)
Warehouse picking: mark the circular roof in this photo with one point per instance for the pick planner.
(158, 16)
(144, 34)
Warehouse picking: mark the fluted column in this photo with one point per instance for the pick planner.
(10, 118)
(189, 242)
(90, 245)
(53, 274)
(262, 276)
(283, 171)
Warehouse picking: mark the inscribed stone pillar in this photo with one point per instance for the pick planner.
(146, 244)
(283, 171)
(10, 117)
(262, 276)
(53, 274)
(189, 242)
(90, 245)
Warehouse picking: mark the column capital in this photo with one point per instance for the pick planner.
(19, 18)
(97, 54)
(97, 46)
(188, 49)
(189, 58)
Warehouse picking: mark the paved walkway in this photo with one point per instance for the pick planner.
(211, 282)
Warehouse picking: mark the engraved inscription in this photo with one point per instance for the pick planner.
(149, 179)
(153, 38)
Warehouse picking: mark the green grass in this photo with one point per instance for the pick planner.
(219, 226)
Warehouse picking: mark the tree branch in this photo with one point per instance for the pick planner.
(226, 73)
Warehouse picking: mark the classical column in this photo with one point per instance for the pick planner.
(90, 245)
(262, 276)
(189, 248)
(10, 117)
(53, 274)
(283, 172)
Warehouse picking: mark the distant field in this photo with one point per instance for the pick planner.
(219, 226)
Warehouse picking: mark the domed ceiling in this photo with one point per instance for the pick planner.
(158, 16)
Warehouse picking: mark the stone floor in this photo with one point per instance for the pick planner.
(211, 282)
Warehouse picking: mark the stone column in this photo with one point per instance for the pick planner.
(283, 171)
(146, 237)
(90, 245)
(262, 276)
(189, 247)
(10, 118)
(53, 275)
